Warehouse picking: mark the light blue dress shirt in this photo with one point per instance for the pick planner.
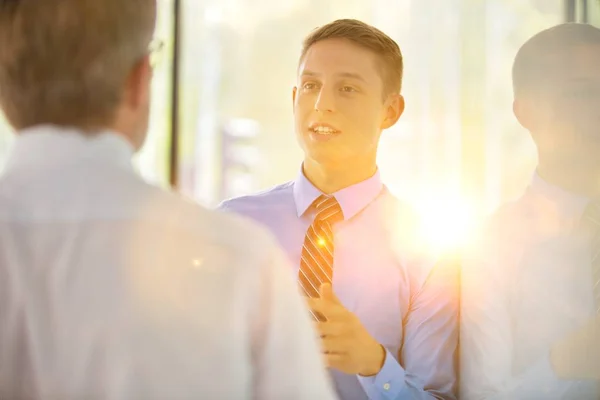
(381, 276)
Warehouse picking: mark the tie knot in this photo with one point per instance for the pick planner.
(328, 209)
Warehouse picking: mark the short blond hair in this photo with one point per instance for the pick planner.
(369, 37)
(65, 62)
(530, 63)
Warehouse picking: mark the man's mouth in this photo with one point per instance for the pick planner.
(323, 129)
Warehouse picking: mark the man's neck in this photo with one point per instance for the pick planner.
(573, 178)
(330, 179)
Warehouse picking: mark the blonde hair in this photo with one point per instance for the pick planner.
(65, 62)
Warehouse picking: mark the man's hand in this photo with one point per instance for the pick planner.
(577, 357)
(346, 344)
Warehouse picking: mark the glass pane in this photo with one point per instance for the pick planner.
(153, 160)
(594, 12)
(6, 139)
(239, 63)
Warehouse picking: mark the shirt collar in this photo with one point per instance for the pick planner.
(352, 199)
(564, 203)
(52, 145)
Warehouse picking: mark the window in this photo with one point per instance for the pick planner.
(593, 13)
(152, 161)
(6, 139)
(239, 64)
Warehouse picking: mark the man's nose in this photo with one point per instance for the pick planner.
(325, 100)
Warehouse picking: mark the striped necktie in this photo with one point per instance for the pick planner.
(316, 263)
(592, 220)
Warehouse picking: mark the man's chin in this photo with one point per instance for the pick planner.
(323, 154)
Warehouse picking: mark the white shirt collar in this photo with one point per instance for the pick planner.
(46, 145)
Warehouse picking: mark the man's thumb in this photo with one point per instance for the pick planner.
(326, 292)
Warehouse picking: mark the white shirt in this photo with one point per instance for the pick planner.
(528, 285)
(113, 289)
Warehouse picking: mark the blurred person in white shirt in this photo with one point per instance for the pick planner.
(111, 288)
(531, 290)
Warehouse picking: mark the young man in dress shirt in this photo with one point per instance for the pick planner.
(389, 324)
(111, 288)
(531, 293)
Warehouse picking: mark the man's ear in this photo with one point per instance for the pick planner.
(522, 108)
(137, 83)
(294, 93)
(394, 110)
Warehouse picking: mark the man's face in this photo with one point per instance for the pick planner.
(339, 105)
(565, 112)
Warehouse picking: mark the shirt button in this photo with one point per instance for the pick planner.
(386, 386)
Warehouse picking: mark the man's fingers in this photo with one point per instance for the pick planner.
(326, 292)
(330, 328)
(327, 309)
(333, 360)
(333, 345)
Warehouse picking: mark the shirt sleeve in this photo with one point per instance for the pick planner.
(286, 356)
(426, 365)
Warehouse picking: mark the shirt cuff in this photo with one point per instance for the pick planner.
(388, 383)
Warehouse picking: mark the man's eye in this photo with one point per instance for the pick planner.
(348, 89)
(309, 86)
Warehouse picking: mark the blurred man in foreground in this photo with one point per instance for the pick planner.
(111, 288)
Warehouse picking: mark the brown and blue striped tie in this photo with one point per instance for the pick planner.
(316, 263)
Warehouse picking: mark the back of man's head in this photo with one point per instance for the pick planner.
(533, 63)
(65, 62)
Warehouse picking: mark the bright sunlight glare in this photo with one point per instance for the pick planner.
(447, 221)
